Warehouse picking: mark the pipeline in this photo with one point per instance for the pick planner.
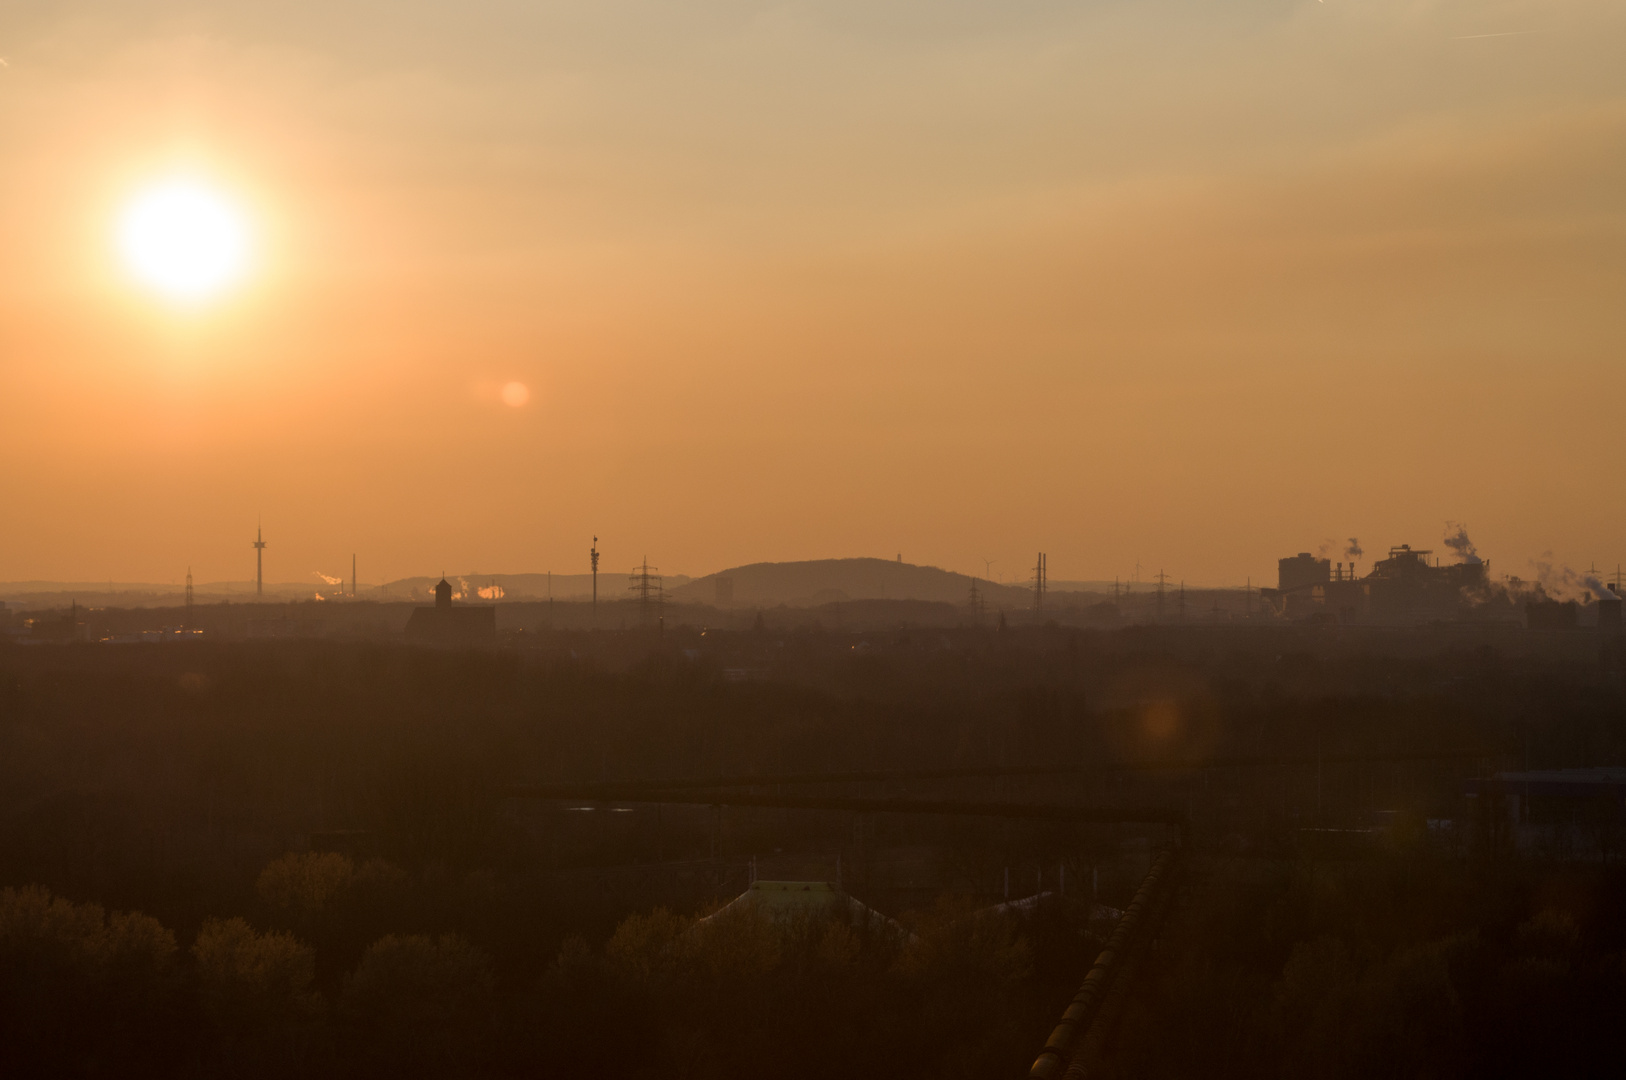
(1092, 1045)
(1107, 973)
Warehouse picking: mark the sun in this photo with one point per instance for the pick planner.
(185, 240)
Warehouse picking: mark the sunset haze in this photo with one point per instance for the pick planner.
(1185, 285)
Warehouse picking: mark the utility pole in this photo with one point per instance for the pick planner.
(259, 561)
(1039, 583)
(352, 576)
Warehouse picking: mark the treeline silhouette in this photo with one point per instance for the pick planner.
(300, 857)
(86, 992)
(1419, 963)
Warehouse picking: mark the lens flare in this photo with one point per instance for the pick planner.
(184, 240)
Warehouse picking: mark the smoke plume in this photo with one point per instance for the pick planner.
(1458, 542)
(1353, 551)
(490, 592)
(329, 580)
(1562, 583)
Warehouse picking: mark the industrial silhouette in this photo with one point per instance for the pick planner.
(446, 624)
(1403, 587)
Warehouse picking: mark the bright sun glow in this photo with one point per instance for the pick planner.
(184, 240)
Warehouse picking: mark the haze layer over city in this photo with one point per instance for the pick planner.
(1073, 539)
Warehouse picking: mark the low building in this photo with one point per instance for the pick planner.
(1552, 614)
(445, 624)
(1574, 813)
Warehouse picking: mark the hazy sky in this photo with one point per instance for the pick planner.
(1191, 283)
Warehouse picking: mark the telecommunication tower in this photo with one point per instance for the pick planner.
(259, 561)
(594, 553)
(1039, 581)
(189, 597)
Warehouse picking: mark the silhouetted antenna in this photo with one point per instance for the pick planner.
(594, 554)
(1162, 580)
(352, 575)
(645, 583)
(189, 597)
(1039, 583)
(259, 561)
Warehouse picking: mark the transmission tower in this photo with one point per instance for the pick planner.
(645, 583)
(1162, 580)
(978, 604)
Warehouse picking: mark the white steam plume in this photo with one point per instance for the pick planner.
(1560, 582)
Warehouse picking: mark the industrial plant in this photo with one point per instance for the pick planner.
(1405, 587)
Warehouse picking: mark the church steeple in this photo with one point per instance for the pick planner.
(443, 593)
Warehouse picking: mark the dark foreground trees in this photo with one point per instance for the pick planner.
(87, 993)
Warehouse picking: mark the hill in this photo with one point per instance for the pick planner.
(824, 581)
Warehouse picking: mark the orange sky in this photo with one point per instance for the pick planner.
(1190, 284)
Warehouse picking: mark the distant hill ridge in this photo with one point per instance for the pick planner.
(824, 581)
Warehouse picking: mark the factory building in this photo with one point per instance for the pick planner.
(1405, 587)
